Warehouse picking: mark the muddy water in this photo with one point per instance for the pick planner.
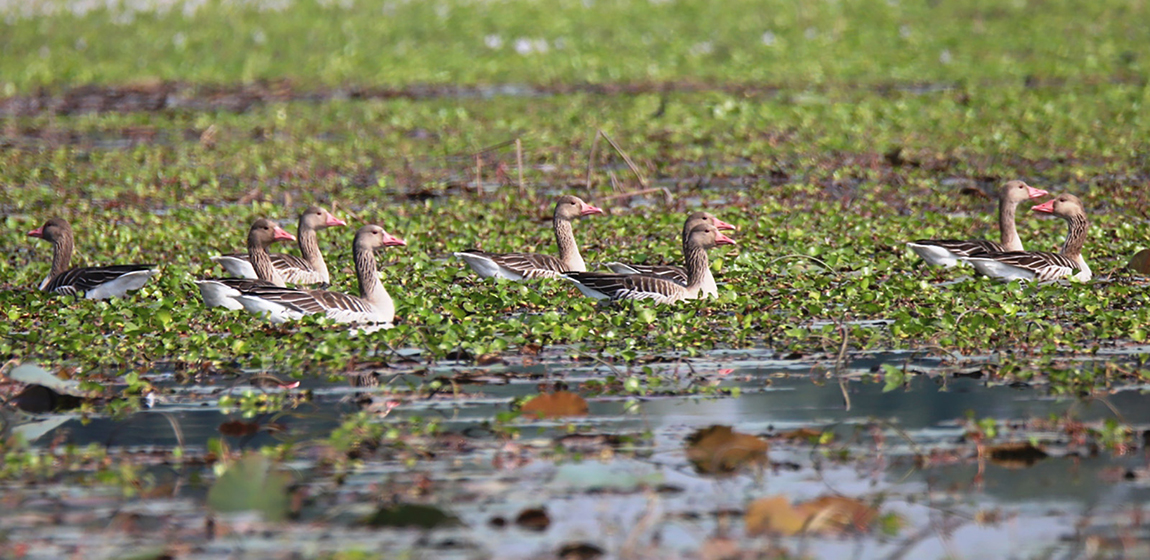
(641, 499)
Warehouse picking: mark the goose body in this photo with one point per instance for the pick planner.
(521, 266)
(600, 285)
(1040, 265)
(310, 268)
(225, 292)
(950, 252)
(678, 274)
(94, 282)
(373, 305)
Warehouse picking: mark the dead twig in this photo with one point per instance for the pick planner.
(626, 159)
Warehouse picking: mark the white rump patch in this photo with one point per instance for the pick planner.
(240, 268)
(935, 255)
(122, 285)
(487, 268)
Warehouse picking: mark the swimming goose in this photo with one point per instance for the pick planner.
(95, 282)
(678, 274)
(308, 269)
(374, 304)
(637, 286)
(1039, 265)
(948, 252)
(222, 292)
(518, 266)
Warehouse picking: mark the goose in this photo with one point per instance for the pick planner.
(678, 274)
(519, 266)
(222, 292)
(95, 282)
(308, 269)
(1039, 265)
(948, 252)
(374, 304)
(637, 286)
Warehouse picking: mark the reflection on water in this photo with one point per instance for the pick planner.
(880, 435)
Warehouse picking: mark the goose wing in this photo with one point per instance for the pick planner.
(627, 286)
(964, 248)
(676, 274)
(527, 265)
(83, 279)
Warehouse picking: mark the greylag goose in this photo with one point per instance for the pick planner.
(222, 292)
(518, 266)
(373, 306)
(637, 286)
(678, 274)
(308, 269)
(95, 282)
(948, 252)
(1039, 265)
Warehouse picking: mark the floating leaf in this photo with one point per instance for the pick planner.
(719, 449)
(555, 405)
(837, 514)
(773, 515)
(411, 515)
(250, 484)
(1016, 455)
(828, 515)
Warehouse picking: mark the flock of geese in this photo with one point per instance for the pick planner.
(259, 279)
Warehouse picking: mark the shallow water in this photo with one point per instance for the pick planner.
(906, 449)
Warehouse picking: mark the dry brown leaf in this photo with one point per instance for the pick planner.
(808, 434)
(827, 515)
(490, 358)
(836, 514)
(774, 516)
(719, 449)
(1140, 262)
(555, 405)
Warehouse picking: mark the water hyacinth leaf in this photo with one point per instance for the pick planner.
(555, 405)
(411, 515)
(251, 484)
(721, 450)
(33, 374)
